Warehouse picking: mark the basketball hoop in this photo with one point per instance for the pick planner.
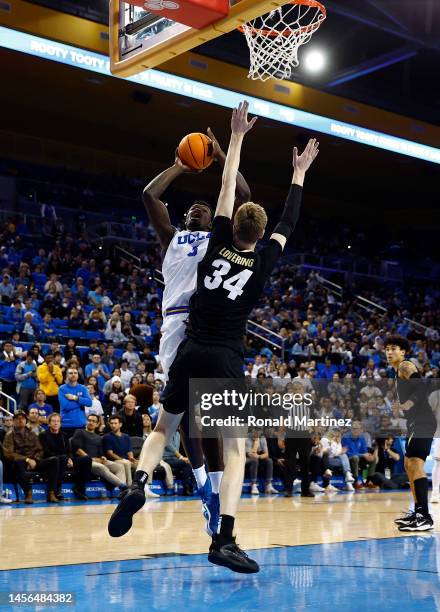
(274, 38)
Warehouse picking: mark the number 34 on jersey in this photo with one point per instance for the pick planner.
(233, 285)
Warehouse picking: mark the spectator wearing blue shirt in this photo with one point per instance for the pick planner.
(327, 370)
(95, 297)
(15, 314)
(84, 272)
(6, 289)
(26, 376)
(117, 447)
(40, 259)
(73, 399)
(110, 360)
(29, 307)
(8, 364)
(153, 410)
(39, 278)
(358, 453)
(44, 409)
(99, 370)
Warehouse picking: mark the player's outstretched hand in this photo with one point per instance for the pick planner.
(239, 122)
(182, 167)
(304, 161)
(217, 151)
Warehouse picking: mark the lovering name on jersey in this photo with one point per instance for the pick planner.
(238, 259)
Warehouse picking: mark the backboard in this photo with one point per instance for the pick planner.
(140, 40)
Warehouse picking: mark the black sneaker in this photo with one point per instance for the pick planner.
(307, 494)
(132, 500)
(407, 518)
(231, 556)
(419, 523)
(80, 494)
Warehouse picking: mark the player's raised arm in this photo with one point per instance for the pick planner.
(242, 189)
(240, 126)
(156, 209)
(292, 207)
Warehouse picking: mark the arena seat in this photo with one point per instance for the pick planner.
(6, 328)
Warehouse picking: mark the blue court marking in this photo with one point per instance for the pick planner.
(377, 574)
(322, 499)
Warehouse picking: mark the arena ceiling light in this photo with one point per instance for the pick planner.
(314, 61)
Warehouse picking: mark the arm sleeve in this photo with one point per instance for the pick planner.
(65, 404)
(346, 442)
(221, 232)
(19, 373)
(269, 256)
(85, 400)
(364, 447)
(290, 216)
(45, 445)
(106, 444)
(42, 374)
(9, 448)
(58, 375)
(39, 452)
(75, 441)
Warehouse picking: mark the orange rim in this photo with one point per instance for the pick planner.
(288, 31)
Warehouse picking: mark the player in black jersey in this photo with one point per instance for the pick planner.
(230, 278)
(421, 425)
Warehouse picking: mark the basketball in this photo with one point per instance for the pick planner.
(195, 151)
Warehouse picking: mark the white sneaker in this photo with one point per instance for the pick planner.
(349, 477)
(349, 487)
(270, 490)
(330, 489)
(315, 488)
(296, 485)
(254, 490)
(435, 498)
(149, 493)
(5, 500)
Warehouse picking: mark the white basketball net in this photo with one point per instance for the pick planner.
(274, 39)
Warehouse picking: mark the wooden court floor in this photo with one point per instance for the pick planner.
(41, 536)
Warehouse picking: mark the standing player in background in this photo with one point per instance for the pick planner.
(421, 425)
(230, 278)
(181, 253)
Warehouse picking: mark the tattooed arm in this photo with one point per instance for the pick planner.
(406, 370)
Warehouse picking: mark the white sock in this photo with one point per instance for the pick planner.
(201, 476)
(215, 478)
(436, 477)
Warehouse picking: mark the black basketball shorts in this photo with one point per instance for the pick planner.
(418, 447)
(196, 360)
